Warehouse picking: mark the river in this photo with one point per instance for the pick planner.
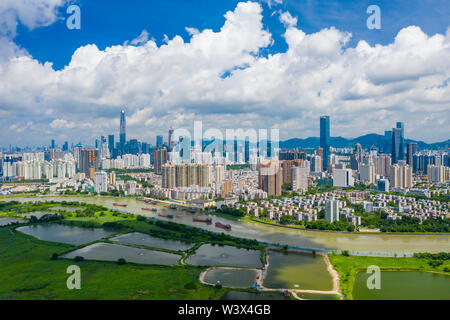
(366, 244)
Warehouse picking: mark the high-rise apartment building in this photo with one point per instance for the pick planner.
(101, 181)
(270, 177)
(159, 158)
(436, 174)
(401, 176)
(185, 175)
(411, 150)
(299, 175)
(89, 162)
(332, 210)
(286, 166)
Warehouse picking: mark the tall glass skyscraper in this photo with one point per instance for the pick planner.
(123, 132)
(398, 147)
(325, 139)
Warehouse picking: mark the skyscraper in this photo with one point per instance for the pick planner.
(325, 139)
(270, 177)
(398, 149)
(387, 148)
(411, 149)
(159, 141)
(159, 158)
(89, 162)
(170, 141)
(123, 132)
(111, 143)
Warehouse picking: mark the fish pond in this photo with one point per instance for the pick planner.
(231, 277)
(65, 234)
(143, 239)
(216, 255)
(404, 285)
(113, 252)
(297, 271)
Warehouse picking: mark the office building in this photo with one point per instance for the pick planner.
(325, 139)
(398, 147)
(123, 133)
(367, 173)
(343, 178)
(170, 141)
(383, 185)
(159, 141)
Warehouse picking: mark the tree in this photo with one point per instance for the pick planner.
(121, 261)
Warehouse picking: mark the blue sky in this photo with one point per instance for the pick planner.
(266, 64)
(107, 23)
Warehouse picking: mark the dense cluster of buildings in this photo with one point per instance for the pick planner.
(199, 172)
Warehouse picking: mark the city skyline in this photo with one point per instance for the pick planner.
(348, 75)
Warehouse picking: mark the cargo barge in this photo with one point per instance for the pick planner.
(119, 205)
(223, 226)
(207, 220)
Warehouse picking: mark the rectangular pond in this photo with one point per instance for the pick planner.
(65, 234)
(297, 271)
(404, 285)
(143, 239)
(113, 252)
(215, 255)
(231, 278)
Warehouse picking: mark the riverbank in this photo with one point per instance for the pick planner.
(274, 224)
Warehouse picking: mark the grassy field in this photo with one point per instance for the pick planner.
(27, 272)
(349, 266)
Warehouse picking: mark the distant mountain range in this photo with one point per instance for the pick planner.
(366, 142)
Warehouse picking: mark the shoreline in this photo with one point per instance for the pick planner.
(347, 232)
